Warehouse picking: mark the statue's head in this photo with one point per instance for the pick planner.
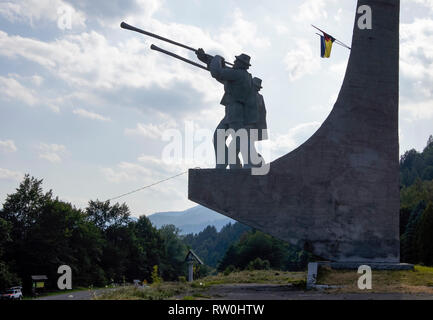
(257, 83)
(242, 62)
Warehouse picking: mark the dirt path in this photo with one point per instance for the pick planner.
(285, 292)
(76, 295)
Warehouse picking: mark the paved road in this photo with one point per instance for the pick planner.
(77, 295)
(262, 292)
(285, 292)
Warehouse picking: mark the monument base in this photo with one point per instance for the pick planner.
(313, 269)
(372, 265)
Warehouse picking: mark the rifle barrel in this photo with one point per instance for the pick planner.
(171, 54)
(150, 34)
(126, 26)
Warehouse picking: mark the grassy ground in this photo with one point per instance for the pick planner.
(419, 281)
(415, 282)
(197, 289)
(54, 293)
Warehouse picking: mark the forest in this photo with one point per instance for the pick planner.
(104, 244)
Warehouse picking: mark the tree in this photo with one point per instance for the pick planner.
(7, 278)
(104, 215)
(173, 260)
(425, 236)
(150, 249)
(253, 245)
(22, 208)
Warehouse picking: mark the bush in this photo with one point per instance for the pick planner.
(231, 268)
(259, 264)
(155, 277)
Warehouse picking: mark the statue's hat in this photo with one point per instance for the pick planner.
(257, 82)
(244, 58)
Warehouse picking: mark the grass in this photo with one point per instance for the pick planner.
(198, 288)
(256, 276)
(418, 281)
(160, 291)
(55, 293)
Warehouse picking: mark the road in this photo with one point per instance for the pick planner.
(286, 292)
(75, 295)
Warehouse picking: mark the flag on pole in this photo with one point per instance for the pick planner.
(326, 42)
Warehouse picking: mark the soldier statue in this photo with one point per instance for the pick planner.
(255, 123)
(241, 103)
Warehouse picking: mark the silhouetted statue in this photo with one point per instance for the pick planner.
(255, 123)
(242, 103)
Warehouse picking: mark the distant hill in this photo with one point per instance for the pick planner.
(193, 220)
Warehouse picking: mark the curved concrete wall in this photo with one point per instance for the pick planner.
(337, 194)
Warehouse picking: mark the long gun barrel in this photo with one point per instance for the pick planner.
(126, 26)
(171, 54)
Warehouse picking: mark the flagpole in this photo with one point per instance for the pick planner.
(336, 40)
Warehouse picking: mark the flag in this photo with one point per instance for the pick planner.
(326, 42)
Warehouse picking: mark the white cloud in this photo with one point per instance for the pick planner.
(283, 143)
(7, 146)
(51, 152)
(126, 171)
(416, 51)
(418, 110)
(427, 3)
(90, 115)
(34, 11)
(11, 89)
(151, 131)
(312, 10)
(16, 88)
(6, 174)
(301, 60)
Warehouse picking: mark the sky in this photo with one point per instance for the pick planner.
(90, 109)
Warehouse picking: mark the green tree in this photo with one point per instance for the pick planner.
(173, 260)
(425, 236)
(253, 245)
(7, 278)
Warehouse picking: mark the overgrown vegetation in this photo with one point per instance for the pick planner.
(211, 245)
(416, 213)
(418, 281)
(257, 250)
(198, 289)
(102, 244)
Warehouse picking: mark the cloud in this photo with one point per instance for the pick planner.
(418, 110)
(301, 60)
(281, 144)
(151, 131)
(312, 10)
(427, 3)
(7, 146)
(90, 115)
(51, 152)
(35, 11)
(11, 89)
(6, 174)
(416, 55)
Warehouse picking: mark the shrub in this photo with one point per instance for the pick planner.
(155, 277)
(259, 264)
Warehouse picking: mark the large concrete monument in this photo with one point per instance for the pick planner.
(337, 195)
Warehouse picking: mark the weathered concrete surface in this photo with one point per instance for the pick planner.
(338, 193)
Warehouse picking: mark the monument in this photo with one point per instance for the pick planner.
(337, 195)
